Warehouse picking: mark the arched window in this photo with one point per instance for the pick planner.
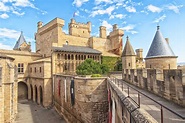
(65, 56)
(72, 57)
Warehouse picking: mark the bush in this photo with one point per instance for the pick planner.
(96, 75)
(89, 66)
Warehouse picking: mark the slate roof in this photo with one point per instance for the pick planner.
(20, 41)
(77, 49)
(128, 50)
(159, 47)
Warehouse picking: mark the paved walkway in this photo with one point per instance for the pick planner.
(29, 112)
(153, 108)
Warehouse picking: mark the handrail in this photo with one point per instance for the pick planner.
(139, 92)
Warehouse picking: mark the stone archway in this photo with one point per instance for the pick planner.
(41, 95)
(22, 90)
(36, 94)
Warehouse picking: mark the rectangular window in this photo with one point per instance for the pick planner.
(40, 69)
(30, 70)
(35, 69)
(20, 67)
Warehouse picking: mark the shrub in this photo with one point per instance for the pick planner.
(96, 75)
(89, 66)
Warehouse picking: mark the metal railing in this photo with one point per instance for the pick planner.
(121, 84)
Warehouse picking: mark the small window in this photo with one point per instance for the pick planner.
(20, 67)
(35, 69)
(30, 70)
(67, 42)
(40, 69)
(129, 64)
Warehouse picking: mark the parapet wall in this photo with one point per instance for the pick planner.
(165, 83)
(81, 99)
(123, 109)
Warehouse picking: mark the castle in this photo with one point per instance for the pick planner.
(160, 75)
(56, 53)
(47, 76)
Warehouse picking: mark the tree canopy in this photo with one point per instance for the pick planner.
(89, 66)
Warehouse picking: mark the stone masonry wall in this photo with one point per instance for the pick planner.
(90, 101)
(125, 110)
(165, 83)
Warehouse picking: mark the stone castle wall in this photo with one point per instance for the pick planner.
(161, 63)
(90, 99)
(8, 91)
(51, 35)
(165, 83)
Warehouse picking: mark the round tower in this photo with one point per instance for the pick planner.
(128, 56)
(160, 54)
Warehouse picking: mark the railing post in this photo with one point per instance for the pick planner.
(161, 114)
(122, 85)
(139, 99)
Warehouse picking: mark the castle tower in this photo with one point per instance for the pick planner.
(128, 56)
(79, 29)
(139, 55)
(116, 40)
(103, 33)
(21, 44)
(160, 54)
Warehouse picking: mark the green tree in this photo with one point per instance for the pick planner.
(89, 66)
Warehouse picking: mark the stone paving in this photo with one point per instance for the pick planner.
(153, 108)
(30, 112)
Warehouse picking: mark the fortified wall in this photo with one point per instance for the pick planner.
(169, 83)
(81, 99)
(52, 35)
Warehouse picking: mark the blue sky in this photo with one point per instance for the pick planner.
(138, 19)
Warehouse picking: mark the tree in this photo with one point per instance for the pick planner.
(89, 66)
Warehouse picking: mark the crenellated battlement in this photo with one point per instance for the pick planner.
(168, 83)
(79, 29)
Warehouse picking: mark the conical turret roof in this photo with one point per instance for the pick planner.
(20, 41)
(128, 50)
(159, 47)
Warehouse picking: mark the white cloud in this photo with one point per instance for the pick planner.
(130, 9)
(7, 47)
(4, 16)
(130, 28)
(157, 20)
(15, 6)
(6, 33)
(3, 7)
(120, 16)
(18, 13)
(107, 25)
(23, 3)
(153, 8)
(174, 8)
(103, 11)
(103, 1)
(9, 33)
(79, 3)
